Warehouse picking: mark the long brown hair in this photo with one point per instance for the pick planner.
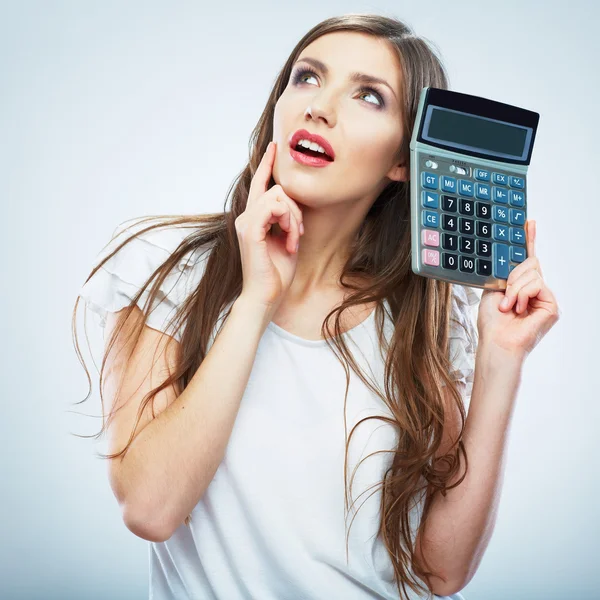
(417, 363)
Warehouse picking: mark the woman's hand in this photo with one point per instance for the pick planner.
(268, 260)
(518, 319)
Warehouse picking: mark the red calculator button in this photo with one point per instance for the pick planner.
(431, 257)
(430, 237)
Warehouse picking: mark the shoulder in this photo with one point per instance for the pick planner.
(115, 284)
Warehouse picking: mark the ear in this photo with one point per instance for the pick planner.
(398, 172)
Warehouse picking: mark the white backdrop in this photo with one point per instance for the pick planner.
(111, 110)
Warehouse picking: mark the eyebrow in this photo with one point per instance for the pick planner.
(354, 76)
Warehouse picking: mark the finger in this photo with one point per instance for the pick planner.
(281, 213)
(262, 176)
(281, 196)
(514, 288)
(529, 290)
(530, 233)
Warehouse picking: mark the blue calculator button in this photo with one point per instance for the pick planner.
(429, 199)
(517, 254)
(517, 235)
(510, 268)
(482, 175)
(500, 260)
(448, 184)
(516, 198)
(517, 217)
(482, 190)
(499, 195)
(430, 218)
(500, 232)
(429, 180)
(500, 178)
(499, 213)
(465, 187)
(517, 182)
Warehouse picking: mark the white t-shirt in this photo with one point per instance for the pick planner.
(271, 525)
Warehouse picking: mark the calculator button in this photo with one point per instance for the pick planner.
(430, 237)
(499, 195)
(499, 213)
(510, 268)
(516, 198)
(484, 267)
(483, 229)
(517, 254)
(429, 199)
(431, 257)
(466, 264)
(449, 241)
(500, 178)
(482, 190)
(449, 222)
(449, 261)
(448, 184)
(467, 245)
(517, 235)
(482, 174)
(466, 226)
(430, 218)
(483, 210)
(500, 232)
(465, 187)
(429, 180)
(500, 260)
(484, 248)
(431, 165)
(516, 182)
(466, 207)
(516, 217)
(449, 203)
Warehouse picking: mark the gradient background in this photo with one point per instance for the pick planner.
(111, 110)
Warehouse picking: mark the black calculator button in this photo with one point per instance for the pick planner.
(466, 264)
(484, 267)
(449, 222)
(467, 245)
(466, 207)
(484, 248)
(449, 203)
(449, 241)
(483, 229)
(483, 210)
(449, 261)
(466, 226)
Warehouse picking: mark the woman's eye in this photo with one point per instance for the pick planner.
(303, 73)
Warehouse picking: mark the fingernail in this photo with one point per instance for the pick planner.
(302, 228)
(504, 302)
(297, 246)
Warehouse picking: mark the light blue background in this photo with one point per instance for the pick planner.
(111, 110)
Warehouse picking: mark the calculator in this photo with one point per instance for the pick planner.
(469, 161)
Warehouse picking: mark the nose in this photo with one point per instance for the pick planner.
(318, 111)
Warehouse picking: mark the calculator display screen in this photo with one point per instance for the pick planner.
(480, 134)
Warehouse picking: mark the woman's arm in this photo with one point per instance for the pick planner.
(461, 524)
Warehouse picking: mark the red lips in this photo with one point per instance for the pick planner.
(302, 134)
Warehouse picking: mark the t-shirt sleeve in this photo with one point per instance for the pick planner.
(463, 346)
(116, 283)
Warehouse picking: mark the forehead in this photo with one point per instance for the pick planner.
(346, 51)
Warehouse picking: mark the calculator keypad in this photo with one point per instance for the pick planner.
(472, 221)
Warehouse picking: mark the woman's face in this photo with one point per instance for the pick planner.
(361, 121)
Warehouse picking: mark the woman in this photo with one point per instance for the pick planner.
(246, 430)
